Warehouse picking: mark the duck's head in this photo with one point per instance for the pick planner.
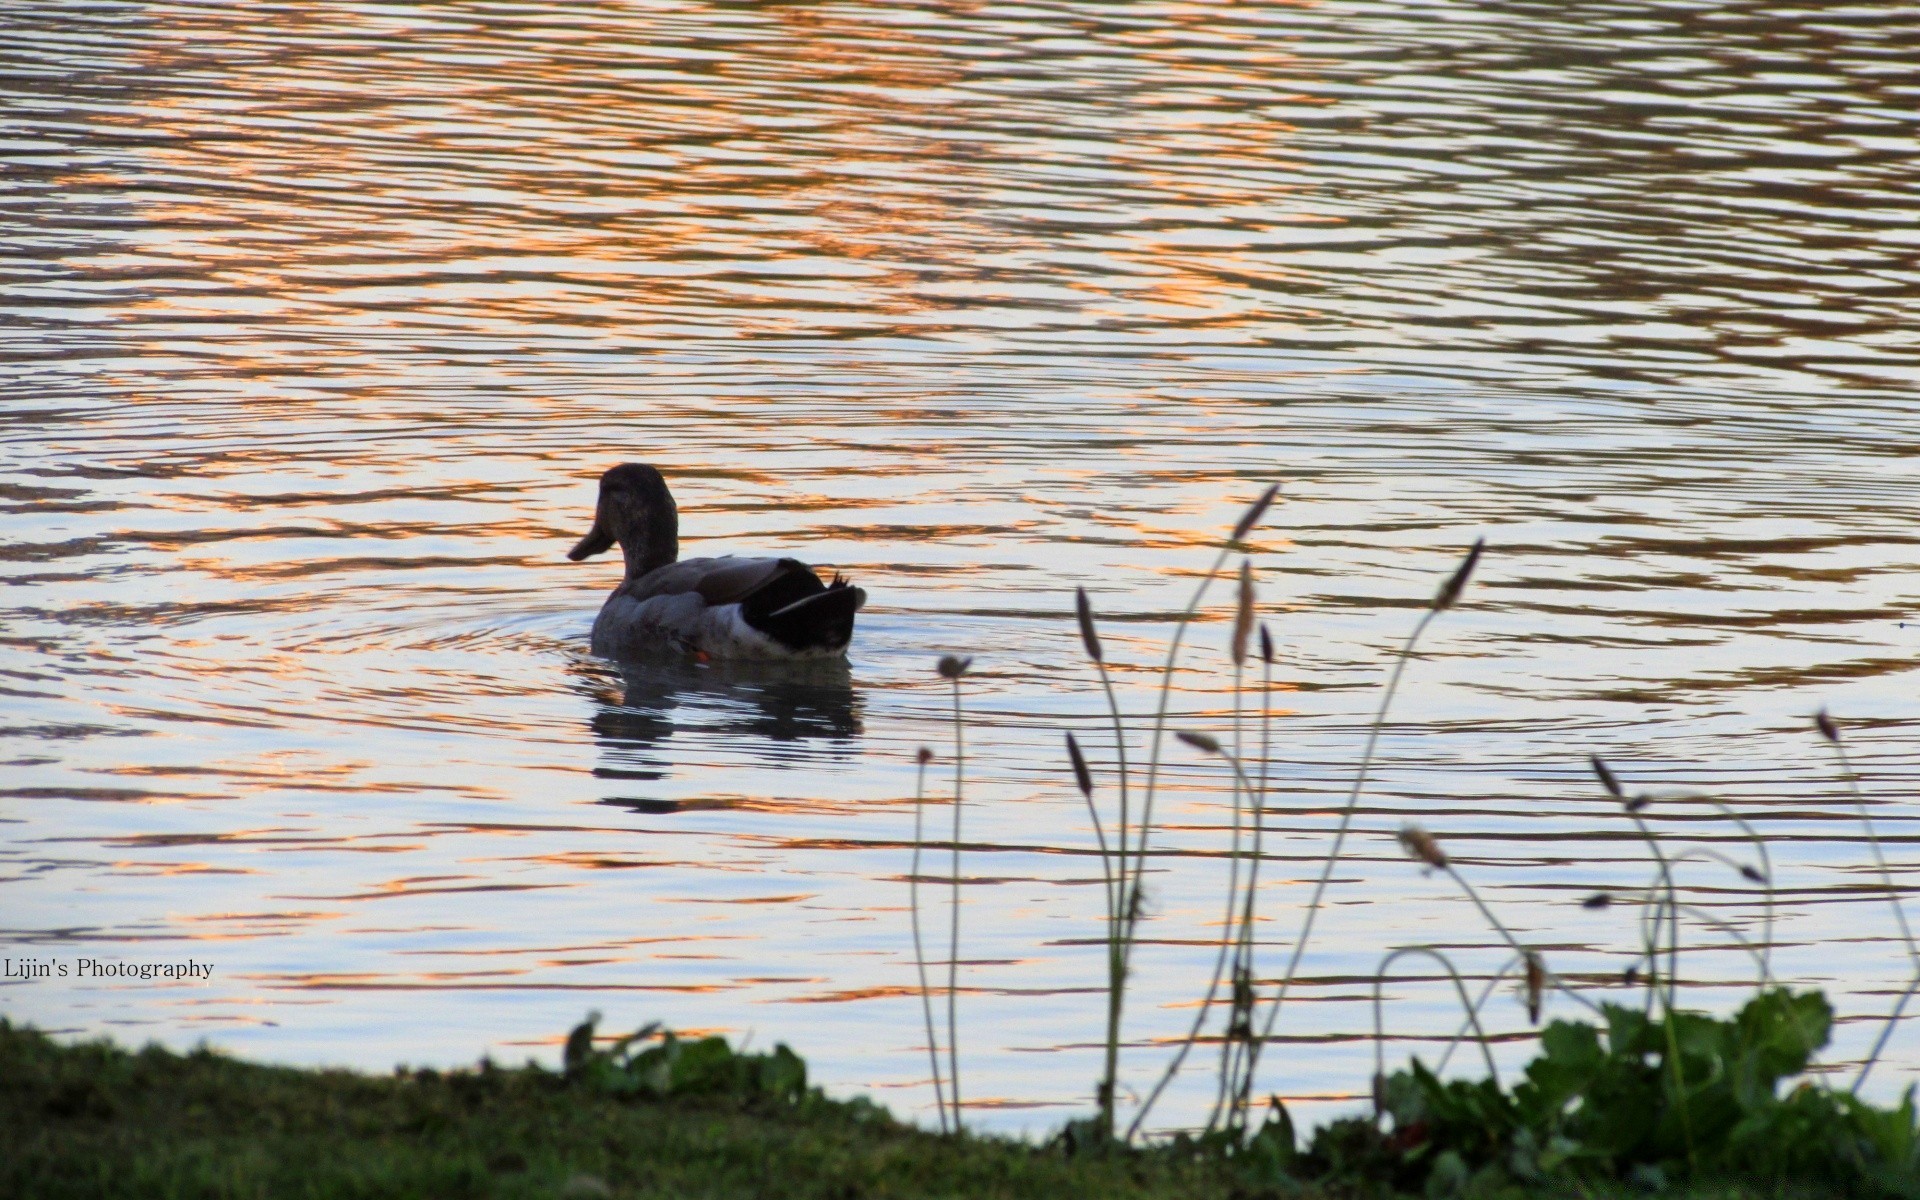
(637, 511)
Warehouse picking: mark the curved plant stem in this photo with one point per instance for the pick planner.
(1480, 1002)
(1759, 846)
(1766, 870)
(1880, 1043)
(1513, 942)
(1650, 934)
(1706, 917)
(1459, 986)
(1893, 900)
(919, 952)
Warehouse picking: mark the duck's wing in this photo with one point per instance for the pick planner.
(727, 580)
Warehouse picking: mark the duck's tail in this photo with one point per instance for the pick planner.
(820, 622)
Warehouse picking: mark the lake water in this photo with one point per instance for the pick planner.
(318, 324)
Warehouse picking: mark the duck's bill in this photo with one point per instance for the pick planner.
(597, 540)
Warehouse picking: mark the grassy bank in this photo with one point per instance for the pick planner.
(92, 1120)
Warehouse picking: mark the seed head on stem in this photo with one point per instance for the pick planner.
(1243, 614)
(1607, 778)
(1253, 514)
(1457, 582)
(1206, 743)
(1421, 845)
(1081, 776)
(1084, 612)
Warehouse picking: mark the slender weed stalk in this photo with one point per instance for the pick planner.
(924, 757)
(1240, 1028)
(1650, 933)
(1241, 529)
(1762, 875)
(1245, 800)
(1707, 918)
(1083, 778)
(1830, 732)
(952, 667)
(1119, 899)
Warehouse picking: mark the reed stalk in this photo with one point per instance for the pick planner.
(1118, 897)
(1243, 968)
(952, 667)
(1234, 929)
(919, 952)
(1479, 1003)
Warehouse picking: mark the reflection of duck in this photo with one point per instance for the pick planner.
(722, 608)
(639, 706)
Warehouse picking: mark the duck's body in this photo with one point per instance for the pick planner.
(722, 608)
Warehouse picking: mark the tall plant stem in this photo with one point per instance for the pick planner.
(1231, 931)
(1118, 906)
(1705, 917)
(1879, 856)
(1766, 874)
(1213, 985)
(1237, 1116)
(919, 953)
(953, 942)
(1131, 915)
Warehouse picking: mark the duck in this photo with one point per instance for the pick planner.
(704, 608)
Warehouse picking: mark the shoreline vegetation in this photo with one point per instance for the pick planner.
(1640, 1095)
(675, 1118)
(1644, 1094)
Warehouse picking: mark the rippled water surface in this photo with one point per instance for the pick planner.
(320, 321)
